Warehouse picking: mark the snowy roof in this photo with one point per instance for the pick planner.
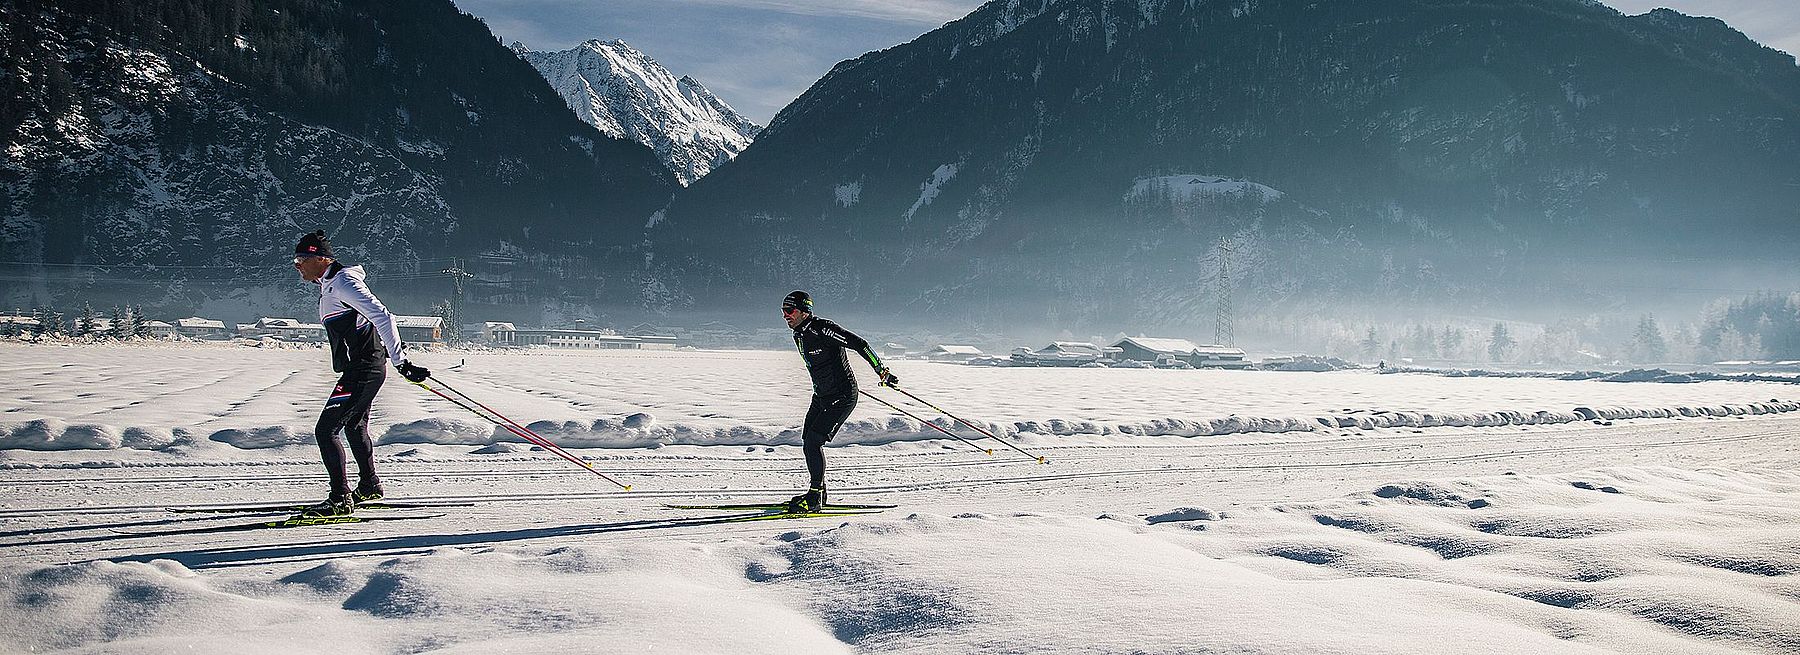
(956, 350)
(498, 325)
(417, 321)
(277, 322)
(1072, 346)
(156, 324)
(1161, 345)
(197, 322)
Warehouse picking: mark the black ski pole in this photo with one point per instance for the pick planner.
(1040, 459)
(934, 426)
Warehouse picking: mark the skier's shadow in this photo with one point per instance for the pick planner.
(405, 545)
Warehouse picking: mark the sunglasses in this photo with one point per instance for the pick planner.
(302, 258)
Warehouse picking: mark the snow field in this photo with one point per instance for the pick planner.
(1668, 560)
(186, 400)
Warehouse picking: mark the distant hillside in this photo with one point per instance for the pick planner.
(207, 134)
(1082, 161)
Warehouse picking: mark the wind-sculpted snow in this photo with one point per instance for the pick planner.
(1695, 554)
(192, 399)
(1670, 561)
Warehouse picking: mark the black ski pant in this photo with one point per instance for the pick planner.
(348, 410)
(823, 419)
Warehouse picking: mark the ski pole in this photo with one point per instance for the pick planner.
(532, 435)
(1040, 459)
(529, 436)
(934, 426)
(540, 439)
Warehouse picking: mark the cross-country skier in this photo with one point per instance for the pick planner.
(823, 344)
(361, 331)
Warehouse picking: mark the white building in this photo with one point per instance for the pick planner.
(420, 329)
(952, 353)
(283, 328)
(159, 329)
(1065, 353)
(195, 327)
(1165, 352)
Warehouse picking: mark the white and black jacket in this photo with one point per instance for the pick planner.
(356, 323)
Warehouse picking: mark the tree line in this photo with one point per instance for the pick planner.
(122, 323)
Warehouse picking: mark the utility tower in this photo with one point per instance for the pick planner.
(1222, 327)
(457, 274)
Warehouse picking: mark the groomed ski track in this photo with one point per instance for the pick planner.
(59, 515)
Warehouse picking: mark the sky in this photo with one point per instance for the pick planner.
(758, 55)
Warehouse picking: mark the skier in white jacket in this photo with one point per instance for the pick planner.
(361, 333)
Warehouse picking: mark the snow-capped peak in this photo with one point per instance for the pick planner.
(627, 95)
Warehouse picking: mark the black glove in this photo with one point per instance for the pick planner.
(413, 372)
(888, 379)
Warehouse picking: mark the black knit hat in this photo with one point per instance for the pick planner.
(797, 300)
(314, 245)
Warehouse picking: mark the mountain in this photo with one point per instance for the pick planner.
(170, 152)
(627, 95)
(1099, 162)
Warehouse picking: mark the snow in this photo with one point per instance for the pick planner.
(849, 194)
(628, 95)
(1657, 535)
(1164, 345)
(269, 398)
(1189, 187)
(928, 190)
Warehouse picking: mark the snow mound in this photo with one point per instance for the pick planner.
(269, 437)
(449, 601)
(1183, 514)
(161, 607)
(56, 434)
(496, 449)
(1696, 556)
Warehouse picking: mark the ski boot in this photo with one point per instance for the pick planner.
(367, 493)
(336, 505)
(811, 501)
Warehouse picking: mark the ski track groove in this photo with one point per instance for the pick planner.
(759, 464)
(1008, 480)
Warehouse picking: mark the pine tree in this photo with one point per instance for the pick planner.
(1371, 344)
(135, 324)
(1500, 343)
(1647, 344)
(40, 320)
(1453, 343)
(85, 324)
(117, 330)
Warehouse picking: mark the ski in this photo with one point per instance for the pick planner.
(254, 509)
(294, 522)
(778, 506)
(777, 516)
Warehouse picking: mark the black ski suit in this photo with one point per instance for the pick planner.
(825, 346)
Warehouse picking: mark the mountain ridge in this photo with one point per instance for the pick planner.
(626, 94)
